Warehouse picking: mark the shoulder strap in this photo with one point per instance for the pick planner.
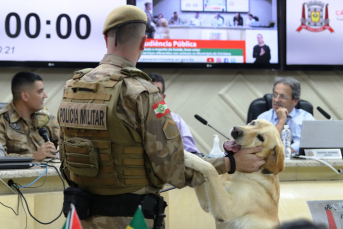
(148, 86)
(119, 76)
(130, 71)
(78, 74)
(142, 77)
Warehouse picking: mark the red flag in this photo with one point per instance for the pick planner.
(73, 221)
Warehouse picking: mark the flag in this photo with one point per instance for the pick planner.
(138, 221)
(73, 221)
(161, 109)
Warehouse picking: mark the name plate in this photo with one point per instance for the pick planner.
(324, 153)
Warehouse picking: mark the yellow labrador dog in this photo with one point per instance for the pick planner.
(244, 200)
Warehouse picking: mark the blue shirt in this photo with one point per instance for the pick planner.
(295, 123)
(187, 138)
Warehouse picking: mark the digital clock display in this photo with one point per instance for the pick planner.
(61, 31)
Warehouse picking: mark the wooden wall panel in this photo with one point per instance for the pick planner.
(222, 97)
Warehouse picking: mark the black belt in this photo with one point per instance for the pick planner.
(124, 205)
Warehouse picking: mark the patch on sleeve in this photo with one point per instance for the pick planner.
(171, 130)
(161, 109)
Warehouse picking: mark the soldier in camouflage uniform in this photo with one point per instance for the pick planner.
(119, 141)
(21, 119)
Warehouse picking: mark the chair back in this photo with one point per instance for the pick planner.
(260, 105)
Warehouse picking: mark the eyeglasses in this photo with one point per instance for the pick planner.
(282, 96)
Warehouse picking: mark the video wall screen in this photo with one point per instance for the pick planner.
(53, 31)
(175, 36)
(215, 5)
(314, 32)
(63, 33)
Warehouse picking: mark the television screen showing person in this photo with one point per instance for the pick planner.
(175, 20)
(261, 51)
(196, 20)
(238, 20)
(250, 20)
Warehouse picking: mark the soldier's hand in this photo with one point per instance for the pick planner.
(45, 151)
(247, 161)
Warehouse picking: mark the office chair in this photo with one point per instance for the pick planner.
(260, 105)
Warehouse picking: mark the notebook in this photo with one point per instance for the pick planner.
(321, 135)
(16, 162)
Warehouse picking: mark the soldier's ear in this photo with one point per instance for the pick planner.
(24, 96)
(142, 43)
(106, 40)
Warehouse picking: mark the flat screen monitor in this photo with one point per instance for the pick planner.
(314, 31)
(54, 33)
(215, 5)
(205, 33)
(63, 33)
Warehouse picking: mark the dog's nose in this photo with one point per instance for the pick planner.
(236, 132)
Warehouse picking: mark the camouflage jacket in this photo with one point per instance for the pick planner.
(20, 138)
(165, 150)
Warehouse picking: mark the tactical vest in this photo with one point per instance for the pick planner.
(101, 153)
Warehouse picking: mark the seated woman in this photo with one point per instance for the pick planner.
(238, 20)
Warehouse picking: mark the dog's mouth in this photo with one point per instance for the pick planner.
(231, 145)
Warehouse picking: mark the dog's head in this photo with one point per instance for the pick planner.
(262, 133)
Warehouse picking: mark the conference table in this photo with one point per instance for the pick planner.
(301, 181)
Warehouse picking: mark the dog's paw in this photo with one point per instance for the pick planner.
(198, 164)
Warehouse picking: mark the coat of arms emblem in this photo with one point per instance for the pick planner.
(314, 19)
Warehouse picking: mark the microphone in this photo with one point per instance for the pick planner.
(203, 121)
(200, 119)
(44, 134)
(326, 115)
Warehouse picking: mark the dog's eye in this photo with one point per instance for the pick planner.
(260, 138)
(252, 123)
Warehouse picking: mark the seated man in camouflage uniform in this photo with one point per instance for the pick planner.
(21, 119)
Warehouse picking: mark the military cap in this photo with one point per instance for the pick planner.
(123, 15)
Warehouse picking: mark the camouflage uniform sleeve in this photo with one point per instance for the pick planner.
(53, 127)
(163, 144)
(2, 134)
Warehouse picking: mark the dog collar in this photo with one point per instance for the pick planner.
(266, 171)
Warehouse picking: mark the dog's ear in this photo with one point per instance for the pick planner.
(279, 155)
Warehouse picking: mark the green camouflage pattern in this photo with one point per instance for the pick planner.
(104, 222)
(21, 138)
